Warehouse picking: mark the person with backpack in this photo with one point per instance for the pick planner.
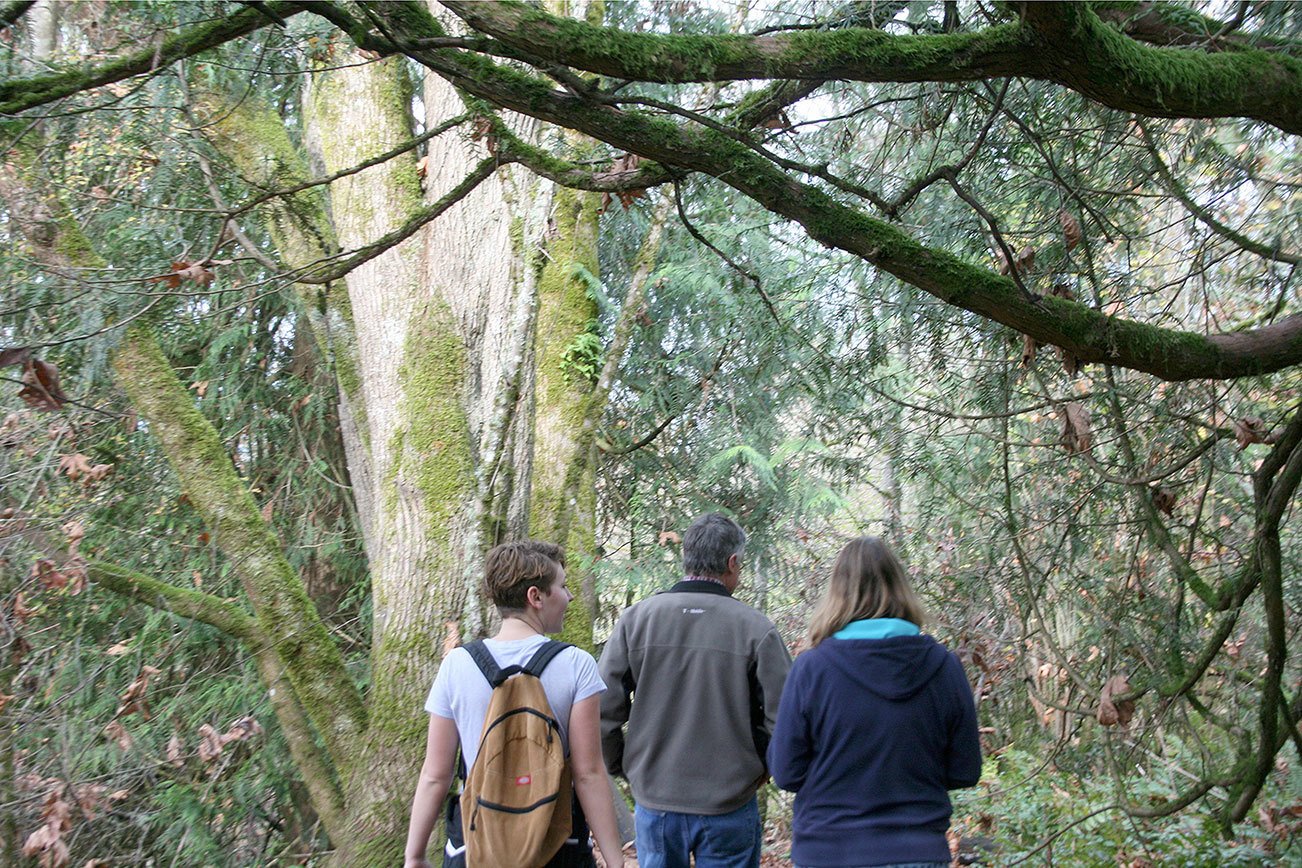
(877, 724)
(524, 711)
(696, 675)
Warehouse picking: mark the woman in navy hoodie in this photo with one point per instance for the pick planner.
(876, 724)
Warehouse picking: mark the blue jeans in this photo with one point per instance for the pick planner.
(666, 839)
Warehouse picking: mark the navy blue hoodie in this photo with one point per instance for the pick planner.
(871, 733)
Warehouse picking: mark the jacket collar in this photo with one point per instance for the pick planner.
(696, 587)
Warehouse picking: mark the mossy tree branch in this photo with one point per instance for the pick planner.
(235, 622)
(1065, 43)
(285, 613)
(1089, 334)
(19, 94)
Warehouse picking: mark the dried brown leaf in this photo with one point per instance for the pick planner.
(41, 386)
(1251, 429)
(210, 743)
(1076, 434)
(116, 731)
(14, 356)
(75, 466)
(1112, 711)
(242, 729)
(48, 574)
(1029, 347)
(133, 700)
(1071, 230)
(667, 537)
(175, 751)
(75, 531)
(1163, 499)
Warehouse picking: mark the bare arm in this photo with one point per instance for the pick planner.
(431, 788)
(590, 780)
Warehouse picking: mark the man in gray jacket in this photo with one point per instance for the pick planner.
(697, 676)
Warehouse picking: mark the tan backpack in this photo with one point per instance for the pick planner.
(517, 803)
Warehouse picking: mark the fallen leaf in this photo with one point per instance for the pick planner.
(47, 573)
(242, 729)
(451, 636)
(118, 649)
(75, 466)
(21, 610)
(667, 537)
(14, 356)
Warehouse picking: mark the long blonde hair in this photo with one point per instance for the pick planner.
(868, 581)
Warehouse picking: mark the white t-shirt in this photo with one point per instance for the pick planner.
(462, 693)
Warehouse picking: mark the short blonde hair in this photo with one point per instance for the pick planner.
(868, 581)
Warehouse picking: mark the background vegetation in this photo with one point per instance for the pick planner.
(1102, 522)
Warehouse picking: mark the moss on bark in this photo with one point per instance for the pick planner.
(285, 613)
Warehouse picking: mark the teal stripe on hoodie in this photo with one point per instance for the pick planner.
(877, 628)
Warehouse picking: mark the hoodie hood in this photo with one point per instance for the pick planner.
(895, 668)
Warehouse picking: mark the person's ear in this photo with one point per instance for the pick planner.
(534, 595)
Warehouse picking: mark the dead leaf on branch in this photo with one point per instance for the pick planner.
(116, 731)
(175, 756)
(1024, 262)
(1116, 712)
(75, 531)
(667, 537)
(184, 270)
(422, 167)
(14, 356)
(41, 386)
(1071, 230)
(1164, 499)
(1076, 434)
(1251, 429)
(133, 700)
(1029, 348)
(20, 608)
(482, 128)
(210, 743)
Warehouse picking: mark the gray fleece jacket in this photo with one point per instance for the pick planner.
(697, 676)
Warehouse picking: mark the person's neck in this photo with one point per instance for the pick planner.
(514, 628)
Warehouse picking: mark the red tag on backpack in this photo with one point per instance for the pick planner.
(524, 780)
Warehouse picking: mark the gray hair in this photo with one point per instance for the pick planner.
(709, 542)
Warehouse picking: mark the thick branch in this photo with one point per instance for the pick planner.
(337, 268)
(284, 611)
(235, 622)
(1065, 43)
(20, 94)
(1086, 333)
(213, 611)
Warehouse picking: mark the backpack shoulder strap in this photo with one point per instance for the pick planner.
(484, 660)
(543, 656)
